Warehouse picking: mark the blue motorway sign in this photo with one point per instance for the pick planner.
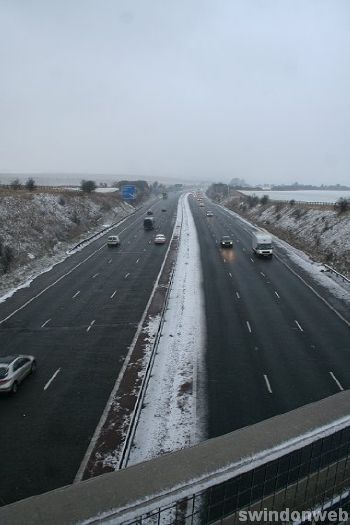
(128, 192)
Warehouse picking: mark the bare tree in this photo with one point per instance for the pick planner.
(30, 184)
(87, 186)
(15, 184)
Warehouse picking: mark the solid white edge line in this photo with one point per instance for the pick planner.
(338, 314)
(70, 271)
(268, 384)
(336, 381)
(44, 324)
(52, 378)
(103, 418)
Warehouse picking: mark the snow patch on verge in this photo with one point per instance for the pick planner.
(174, 406)
(340, 289)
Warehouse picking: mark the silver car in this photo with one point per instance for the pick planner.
(13, 369)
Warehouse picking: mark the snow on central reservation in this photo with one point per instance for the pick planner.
(174, 408)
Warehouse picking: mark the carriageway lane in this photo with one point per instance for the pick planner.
(47, 426)
(259, 362)
(101, 273)
(323, 342)
(285, 256)
(62, 269)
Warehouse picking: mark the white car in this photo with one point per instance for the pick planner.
(210, 213)
(160, 239)
(113, 240)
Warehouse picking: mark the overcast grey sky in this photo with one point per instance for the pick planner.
(258, 89)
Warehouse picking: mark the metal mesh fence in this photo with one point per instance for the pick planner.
(314, 478)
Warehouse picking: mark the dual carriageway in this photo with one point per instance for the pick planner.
(274, 341)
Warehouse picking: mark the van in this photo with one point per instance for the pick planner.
(113, 240)
(148, 223)
(262, 244)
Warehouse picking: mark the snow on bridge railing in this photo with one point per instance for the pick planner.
(292, 462)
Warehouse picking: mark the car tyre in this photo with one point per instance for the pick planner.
(33, 367)
(14, 388)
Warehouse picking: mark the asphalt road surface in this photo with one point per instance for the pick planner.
(78, 320)
(272, 344)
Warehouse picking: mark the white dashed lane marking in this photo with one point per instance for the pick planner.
(267, 382)
(52, 378)
(90, 325)
(336, 381)
(298, 325)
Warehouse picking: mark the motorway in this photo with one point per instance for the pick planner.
(272, 344)
(78, 320)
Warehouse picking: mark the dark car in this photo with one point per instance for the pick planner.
(149, 212)
(226, 242)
